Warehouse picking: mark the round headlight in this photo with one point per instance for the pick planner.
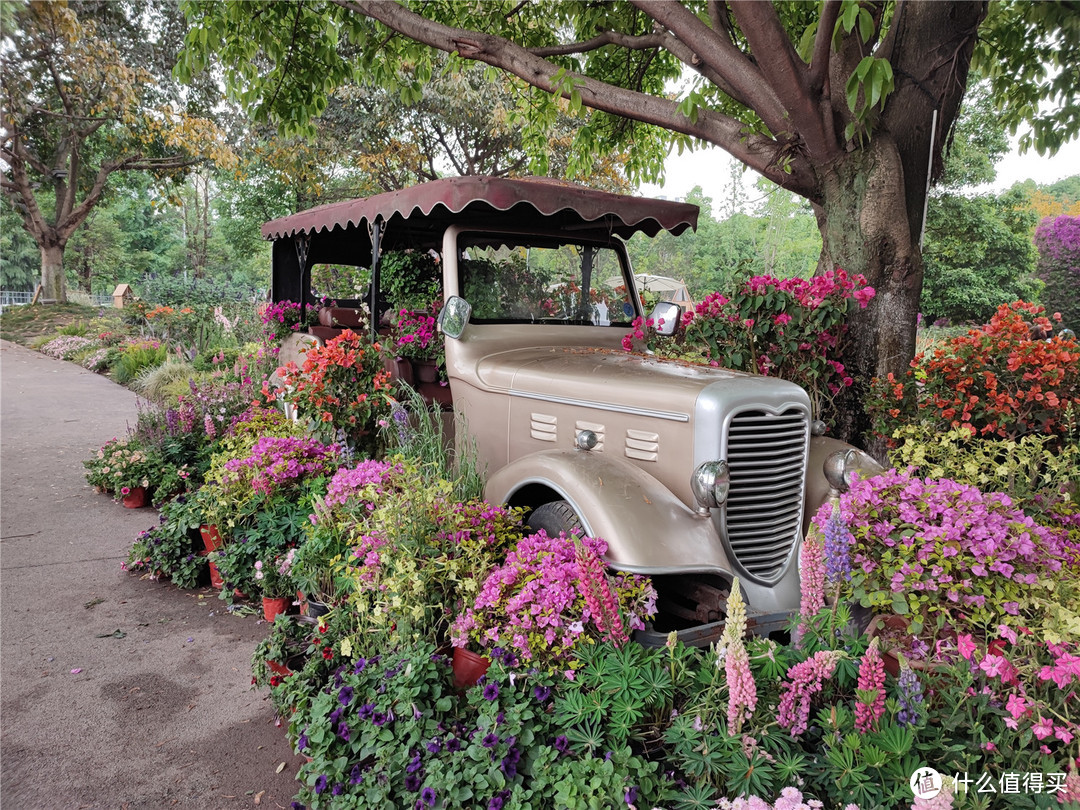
(838, 468)
(710, 483)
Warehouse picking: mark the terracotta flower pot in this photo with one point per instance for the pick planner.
(215, 577)
(278, 669)
(136, 498)
(211, 537)
(468, 667)
(273, 605)
(895, 635)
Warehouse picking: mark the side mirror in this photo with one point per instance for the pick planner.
(666, 317)
(454, 316)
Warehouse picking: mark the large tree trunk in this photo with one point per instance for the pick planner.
(53, 284)
(865, 228)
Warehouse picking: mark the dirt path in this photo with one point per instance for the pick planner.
(115, 692)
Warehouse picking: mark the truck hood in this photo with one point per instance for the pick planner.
(617, 380)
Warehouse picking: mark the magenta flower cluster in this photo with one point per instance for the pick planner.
(415, 336)
(534, 602)
(945, 546)
(277, 462)
(347, 482)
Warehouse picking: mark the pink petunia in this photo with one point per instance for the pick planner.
(966, 645)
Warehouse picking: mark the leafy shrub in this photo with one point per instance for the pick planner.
(995, 380)
(1030, 468)
(136, 357)
(175, 291)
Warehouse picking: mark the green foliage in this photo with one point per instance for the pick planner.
(1028, 469)
(172, 546)
(780, 238)
(1028, 52)
(410, 280)
(978, 255)
(137, 357)
(164, 290)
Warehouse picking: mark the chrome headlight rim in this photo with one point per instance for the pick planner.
(710, 483)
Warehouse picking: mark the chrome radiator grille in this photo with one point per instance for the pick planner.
(767, 455)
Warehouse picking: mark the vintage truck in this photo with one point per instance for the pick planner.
(693, 475)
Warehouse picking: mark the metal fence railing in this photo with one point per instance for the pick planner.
(11, 298)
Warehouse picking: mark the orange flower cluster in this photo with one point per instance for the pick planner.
(342, 385)
(997, 380)
(164, 312)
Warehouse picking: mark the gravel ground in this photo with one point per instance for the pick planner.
(115, 691)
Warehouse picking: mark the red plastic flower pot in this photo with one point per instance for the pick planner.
(215, 578)
(468, 667)
(273, 605)
(211, 537)
(135, 498)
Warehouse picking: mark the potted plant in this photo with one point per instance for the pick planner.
(416, 338)
(125, 468)
(273, 577)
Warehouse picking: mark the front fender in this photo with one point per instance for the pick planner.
(647, 529)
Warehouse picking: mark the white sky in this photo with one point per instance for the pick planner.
(712, 170)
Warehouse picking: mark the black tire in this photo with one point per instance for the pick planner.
(555, 517)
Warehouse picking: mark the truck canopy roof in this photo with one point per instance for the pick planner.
(415, 217)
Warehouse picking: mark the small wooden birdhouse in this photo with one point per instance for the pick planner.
(122, 293)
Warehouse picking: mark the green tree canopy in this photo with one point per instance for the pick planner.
(87, 93)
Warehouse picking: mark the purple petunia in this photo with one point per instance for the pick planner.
(428, 796)
(541, 693)
(345, 696)
(562, 744)
(491, 691)
(320, 784)
(366, 712)
(491, 740)
(343, 731)
(412, 782)
(355, 777)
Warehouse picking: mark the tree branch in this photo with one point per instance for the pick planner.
(719, 54)
(766, 155)
(786, 73)
(634, 43)
(819, 61)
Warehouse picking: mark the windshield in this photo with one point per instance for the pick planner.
(507, 280)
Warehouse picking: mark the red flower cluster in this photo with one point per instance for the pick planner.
(996, 380)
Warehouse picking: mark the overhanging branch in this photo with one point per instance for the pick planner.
(764, 154)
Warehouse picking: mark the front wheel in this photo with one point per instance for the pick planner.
(554, 518)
